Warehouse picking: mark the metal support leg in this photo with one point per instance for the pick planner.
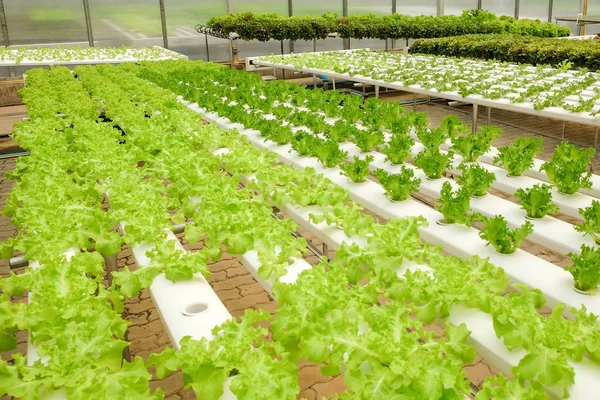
(206, 42)
(282, 53)
(414, 102)
(489, 115)
(595, 147)
(325, 250)
(4, 25)
(231, 52)
(111, 266)
(314, 45)
(386, 45)
(475, 109)
(314, 81)
(564, 130)
(376, 92)
(163, 21)
(88, 22)
(333, 83)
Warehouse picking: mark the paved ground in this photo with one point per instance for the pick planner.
(237, 288)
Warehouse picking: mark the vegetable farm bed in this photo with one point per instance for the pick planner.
(280, 159)
(556, 93)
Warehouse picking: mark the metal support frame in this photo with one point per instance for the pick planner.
(394, 6)
(230, 6)
(110, 263)
(314, 81)
(564, 130)
(163, 21)
(11, 70)
(386, 45)
(517, 6)
(325, 250)
(333, 83)
(206, 43)
(550, 10)
(489, 115)
(88, 22)
(345, 14)
(479, 5)
(475, 109)
(376, 91)
(414, 102)
(314, 45)
(231, 51)
(290, 14)
(282, 53)
(440, 7)
(4, 24)
(595, 147)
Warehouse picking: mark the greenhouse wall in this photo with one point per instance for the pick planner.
(138, 23)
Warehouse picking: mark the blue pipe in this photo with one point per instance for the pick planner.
(8, 155)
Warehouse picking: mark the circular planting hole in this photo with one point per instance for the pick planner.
(194, 309)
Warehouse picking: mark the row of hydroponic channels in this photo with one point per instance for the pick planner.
(161, 166)
(559, 89)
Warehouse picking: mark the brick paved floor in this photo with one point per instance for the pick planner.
(238, 290)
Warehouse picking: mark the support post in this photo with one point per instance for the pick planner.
(333, 83)
(517, 7)
(206, 42)
(345, 14)
(489, 115)
(314, 81)
(376, 91)
(550, 10)
(282, 53)
(4, 24)
(414, 102)
(314, 45)
(564, 130)
(230, 6)
(440, 7)
(291, 13)
(386, 45)
(325, 250)
(475, 109)
(479, 5)
(110, 263)
(595, 147)
(583, 8)
(88, 22)
(163, 21)
(231, 53)
(394, 12)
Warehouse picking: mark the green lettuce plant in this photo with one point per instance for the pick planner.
(537, 201)
(586, 269)
(398, 187)
(518, 156)
(505, 240)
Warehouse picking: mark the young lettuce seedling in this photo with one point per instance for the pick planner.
(358, 170)
(455, 206)
(433, 162)
(368, 140)
(518, 157)
(398, 187)
(586, 269)
(591, 224)
(537, 201)
(473, 146)
(475, 179)
(302, 143)
(497, 233)
(328, 152)
(398, 148)
(567, 170)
